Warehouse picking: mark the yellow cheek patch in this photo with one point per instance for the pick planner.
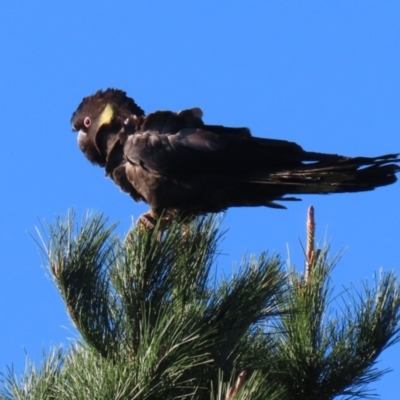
(106, 116)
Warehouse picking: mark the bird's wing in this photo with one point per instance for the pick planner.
(210, 149)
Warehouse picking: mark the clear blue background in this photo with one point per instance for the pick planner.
(325, 74)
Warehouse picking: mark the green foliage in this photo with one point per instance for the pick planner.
(324, 354)
(155, 324)
(35, 384)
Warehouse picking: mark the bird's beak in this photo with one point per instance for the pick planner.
(81, 135)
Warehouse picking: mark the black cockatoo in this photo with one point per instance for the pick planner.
(182, 167)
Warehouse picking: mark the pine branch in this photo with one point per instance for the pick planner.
(321, 357)
(155, 325)
(35, 383)
(80, 260)
(147, 302)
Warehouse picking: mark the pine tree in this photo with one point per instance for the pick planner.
(156, 322)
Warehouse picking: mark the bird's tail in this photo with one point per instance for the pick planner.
(343, 175)
(331, 174)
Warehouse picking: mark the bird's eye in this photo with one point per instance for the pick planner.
(87, 122)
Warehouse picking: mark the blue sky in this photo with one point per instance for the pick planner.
(325, 74)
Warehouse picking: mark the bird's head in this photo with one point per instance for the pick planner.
(99, 118)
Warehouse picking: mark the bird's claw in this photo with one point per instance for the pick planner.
(147, 221)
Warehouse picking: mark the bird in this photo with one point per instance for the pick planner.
(182, 167)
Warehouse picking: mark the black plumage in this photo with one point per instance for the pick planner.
(183, 167)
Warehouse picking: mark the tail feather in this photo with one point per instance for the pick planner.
(333, 175)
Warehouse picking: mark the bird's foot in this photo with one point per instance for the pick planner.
(148, 221)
